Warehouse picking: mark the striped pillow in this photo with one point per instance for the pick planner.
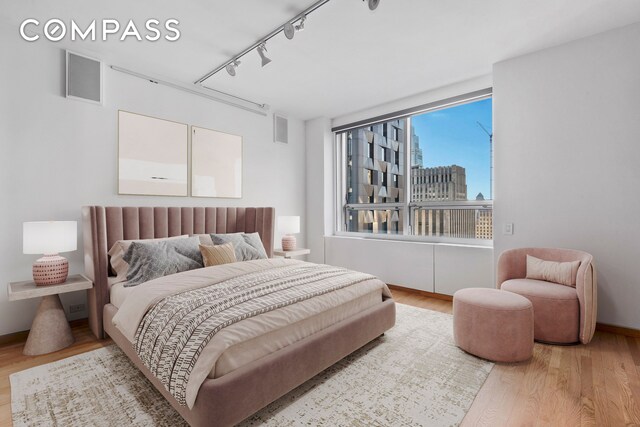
(217, 255)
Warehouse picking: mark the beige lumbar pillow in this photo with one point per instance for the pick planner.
(218, 255)
(563, 273)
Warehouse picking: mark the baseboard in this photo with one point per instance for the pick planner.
(602, 327)
(14, 338)
(20, 337)
(421, 292)
(620, 330)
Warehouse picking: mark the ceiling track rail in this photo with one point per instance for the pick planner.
(264, 39)
(259, 108)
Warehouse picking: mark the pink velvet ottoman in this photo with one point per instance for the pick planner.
(493, 324)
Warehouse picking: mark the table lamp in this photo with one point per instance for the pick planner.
(289, 225)
(49, 238)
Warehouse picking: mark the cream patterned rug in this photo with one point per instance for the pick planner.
(413, 375)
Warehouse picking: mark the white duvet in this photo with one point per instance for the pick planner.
(252, 338)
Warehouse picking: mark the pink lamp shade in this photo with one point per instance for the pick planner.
(49, 238)
(289, 225)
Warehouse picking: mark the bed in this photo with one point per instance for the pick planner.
(241, 382)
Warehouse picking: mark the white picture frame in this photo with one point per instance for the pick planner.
(216, 164)
(153, 156)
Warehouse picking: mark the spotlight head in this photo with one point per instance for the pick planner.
(290, 30)
(261, 51)
(373, 4)
(231, 68)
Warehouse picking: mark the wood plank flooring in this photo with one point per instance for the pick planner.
(593, 385)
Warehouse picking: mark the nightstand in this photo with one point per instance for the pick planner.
(294, 253)
(50, 330)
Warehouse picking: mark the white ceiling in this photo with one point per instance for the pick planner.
(348, 58)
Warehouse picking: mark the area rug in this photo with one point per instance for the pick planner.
(413, 375)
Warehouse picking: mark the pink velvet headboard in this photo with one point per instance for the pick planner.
(103, 226)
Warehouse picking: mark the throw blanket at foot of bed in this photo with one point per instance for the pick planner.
(175, 331)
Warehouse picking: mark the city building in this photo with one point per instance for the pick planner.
(484, 221)
(416, 151)
(375, 159)
(437, 184)
(484, 224)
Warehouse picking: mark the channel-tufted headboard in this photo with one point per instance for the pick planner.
(103, 226)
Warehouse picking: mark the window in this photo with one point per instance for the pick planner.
(427, 174)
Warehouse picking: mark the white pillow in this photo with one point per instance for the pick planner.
(119, 248)
(205, 239)
(562, 273)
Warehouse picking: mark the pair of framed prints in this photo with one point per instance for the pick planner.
(156, 158)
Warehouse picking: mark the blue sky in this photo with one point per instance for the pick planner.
(452, 136)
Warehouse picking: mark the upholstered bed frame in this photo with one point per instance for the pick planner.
(231, 398)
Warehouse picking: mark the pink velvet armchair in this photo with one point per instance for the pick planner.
(562, 314)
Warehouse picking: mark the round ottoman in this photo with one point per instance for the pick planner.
(493, 324)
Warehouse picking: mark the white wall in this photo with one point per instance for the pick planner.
(320, 192)
(437, 94)
(408, 264)
(567, 159)
(461, 266)
(59, 154)
(431, 267)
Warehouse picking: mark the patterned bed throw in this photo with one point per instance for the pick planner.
(174, 331)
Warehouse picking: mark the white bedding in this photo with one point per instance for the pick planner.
(252, 338)
(252, 349)
(273, 331)
(118, 293)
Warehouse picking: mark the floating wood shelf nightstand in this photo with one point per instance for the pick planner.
(290, 254)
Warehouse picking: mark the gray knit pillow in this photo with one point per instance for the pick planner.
(244, 250)
(150, 260)
(253, 239)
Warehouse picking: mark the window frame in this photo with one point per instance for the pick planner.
(405, 205)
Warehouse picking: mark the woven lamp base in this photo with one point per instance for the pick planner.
(288, 243)
(50, 270)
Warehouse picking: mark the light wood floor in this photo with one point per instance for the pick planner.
(593, 385)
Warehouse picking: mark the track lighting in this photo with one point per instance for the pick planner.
(231, 68)
(261, 50)
(373, 4)
(290, 30)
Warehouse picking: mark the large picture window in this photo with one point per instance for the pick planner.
(425, 174)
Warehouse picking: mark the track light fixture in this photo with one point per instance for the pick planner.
(261, 51)
(373, 4)
(290, 30)
(230, 65)
(231, 68)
